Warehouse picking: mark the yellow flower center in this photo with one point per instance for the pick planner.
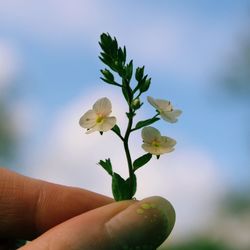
(99, 119)
(155, 143)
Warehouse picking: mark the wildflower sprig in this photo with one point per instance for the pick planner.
(98, 118)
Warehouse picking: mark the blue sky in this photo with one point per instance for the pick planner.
(185, 46)
(59, 64)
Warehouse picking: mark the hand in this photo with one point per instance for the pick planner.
(62, 218)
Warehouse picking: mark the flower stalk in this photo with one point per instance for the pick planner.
(98, 118)
(127, 152)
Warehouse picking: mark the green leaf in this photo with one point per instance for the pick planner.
(106, 60)
(144, 123)
(127, 92)
(121, 54)
(116, 129)
(112, 55)
(108, 76)
(123, 190)
(107, 166)
(145, 86)
(105, 80)
(129, 71)
(131, 182)
(119, 188)
(124, 54)
(141, 161)
(114, 47)
(105, 38)
(139, 73)
(108, 45)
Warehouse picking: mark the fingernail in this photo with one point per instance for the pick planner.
(143, 225)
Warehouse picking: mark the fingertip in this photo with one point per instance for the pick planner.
(144, 225)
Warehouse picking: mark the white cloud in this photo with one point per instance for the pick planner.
(188, 178)
(81, 150)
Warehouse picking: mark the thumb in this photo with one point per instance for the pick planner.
(120, 225)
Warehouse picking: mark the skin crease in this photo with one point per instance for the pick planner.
(57, 217)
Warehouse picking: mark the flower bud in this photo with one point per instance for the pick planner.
(108, 75)
(145, 85)
(136, 103)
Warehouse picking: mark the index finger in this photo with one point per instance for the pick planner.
(29, 207)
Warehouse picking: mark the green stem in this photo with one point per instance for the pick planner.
(118, 134)
(117, 84)
(126, 148)
(156, 115)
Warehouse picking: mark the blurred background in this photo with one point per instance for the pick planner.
(198, 55)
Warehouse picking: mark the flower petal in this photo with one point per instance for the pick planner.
(160, 104)
(156, 150)
(164, 150)
(169, 116)
(149, 134)
(177, 112)
(151, 100)
(88, 120)
(167, 142)
(163, 105)
(150, 149)
(93, 129)
(107, 124)
(103, 107)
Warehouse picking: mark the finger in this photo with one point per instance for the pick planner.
(121, 225)
(29, 207)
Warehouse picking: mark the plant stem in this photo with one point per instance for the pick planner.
(156, 115)
(118, 134)
(126, 148)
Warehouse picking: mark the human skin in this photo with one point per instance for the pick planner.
(57, 217)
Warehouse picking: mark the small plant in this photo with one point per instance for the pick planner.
(98, 118)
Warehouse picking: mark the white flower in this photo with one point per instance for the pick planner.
(97, 118)
(156, 144)
(165, 108)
